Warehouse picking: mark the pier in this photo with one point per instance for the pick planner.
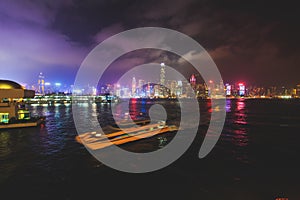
(67, 99)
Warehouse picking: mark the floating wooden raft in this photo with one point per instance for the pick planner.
(96, 141)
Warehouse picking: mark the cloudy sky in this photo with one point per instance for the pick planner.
(252, 41)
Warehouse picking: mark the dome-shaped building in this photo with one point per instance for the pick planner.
(7, 84)
(10, 89)
(11, 93)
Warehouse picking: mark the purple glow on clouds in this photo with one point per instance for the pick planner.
(28, 45)
(247, 41)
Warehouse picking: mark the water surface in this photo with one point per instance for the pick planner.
(255, 158)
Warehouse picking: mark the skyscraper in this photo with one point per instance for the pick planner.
(242, 89)
(41, 83)
(162, 74)
(162, 79)
(133, 87)
(193, 79)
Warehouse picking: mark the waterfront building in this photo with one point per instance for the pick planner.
(11, 101)
(179, 88)
(41, 83)
(228, 89)
(162, 79)
(162, 74)
(133, 87)
(242, 89)
(298, 90)
(193, 81)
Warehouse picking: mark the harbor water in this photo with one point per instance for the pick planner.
(256, 156)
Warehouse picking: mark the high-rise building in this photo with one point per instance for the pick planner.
(41, 83)
(133, 87)
(228, 89)
(193, 80)
(162, 79)
(298, 90)
(117, 89)
(242, 89)
(179, 88)
(162, 74)
(141, 83)
(173, 85)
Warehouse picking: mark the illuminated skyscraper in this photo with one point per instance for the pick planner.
(41, 83)
(140, 88)
(162, 79)
(117, 89)
(242, 89)
(228, 89)
(179, 88)
(133, 87)
(298, 90)
(193, 80)
(173, 88)
(162, 74)
(141, 83)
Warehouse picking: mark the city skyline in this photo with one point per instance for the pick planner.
(122, 99)
(135, 87)
(255, 45)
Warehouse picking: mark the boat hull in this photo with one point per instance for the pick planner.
(24, 124)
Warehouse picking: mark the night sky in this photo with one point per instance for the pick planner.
(252, 41)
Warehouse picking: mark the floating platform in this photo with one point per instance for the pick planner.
(95, 141)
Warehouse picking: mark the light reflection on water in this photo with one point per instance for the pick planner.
(241, 135)
(252, 150)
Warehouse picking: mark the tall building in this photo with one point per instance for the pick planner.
(173, 86)
(298, 90)
(117, 89)
(133, 87)
(179, 88)
(162, 73)
(228, 89)
(242, 89)
(41, 83)
(141, 83)
(162, 79)
(193, 80)
(140, 88)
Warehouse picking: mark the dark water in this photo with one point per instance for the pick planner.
(255, 158)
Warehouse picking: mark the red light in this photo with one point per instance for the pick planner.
(210, 81)
(240, 84)
(133, 100)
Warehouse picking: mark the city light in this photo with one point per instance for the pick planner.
(228, 89)
(242, 89)
(140, 88)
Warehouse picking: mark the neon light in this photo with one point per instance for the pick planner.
(242, 89)
(228, 89)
